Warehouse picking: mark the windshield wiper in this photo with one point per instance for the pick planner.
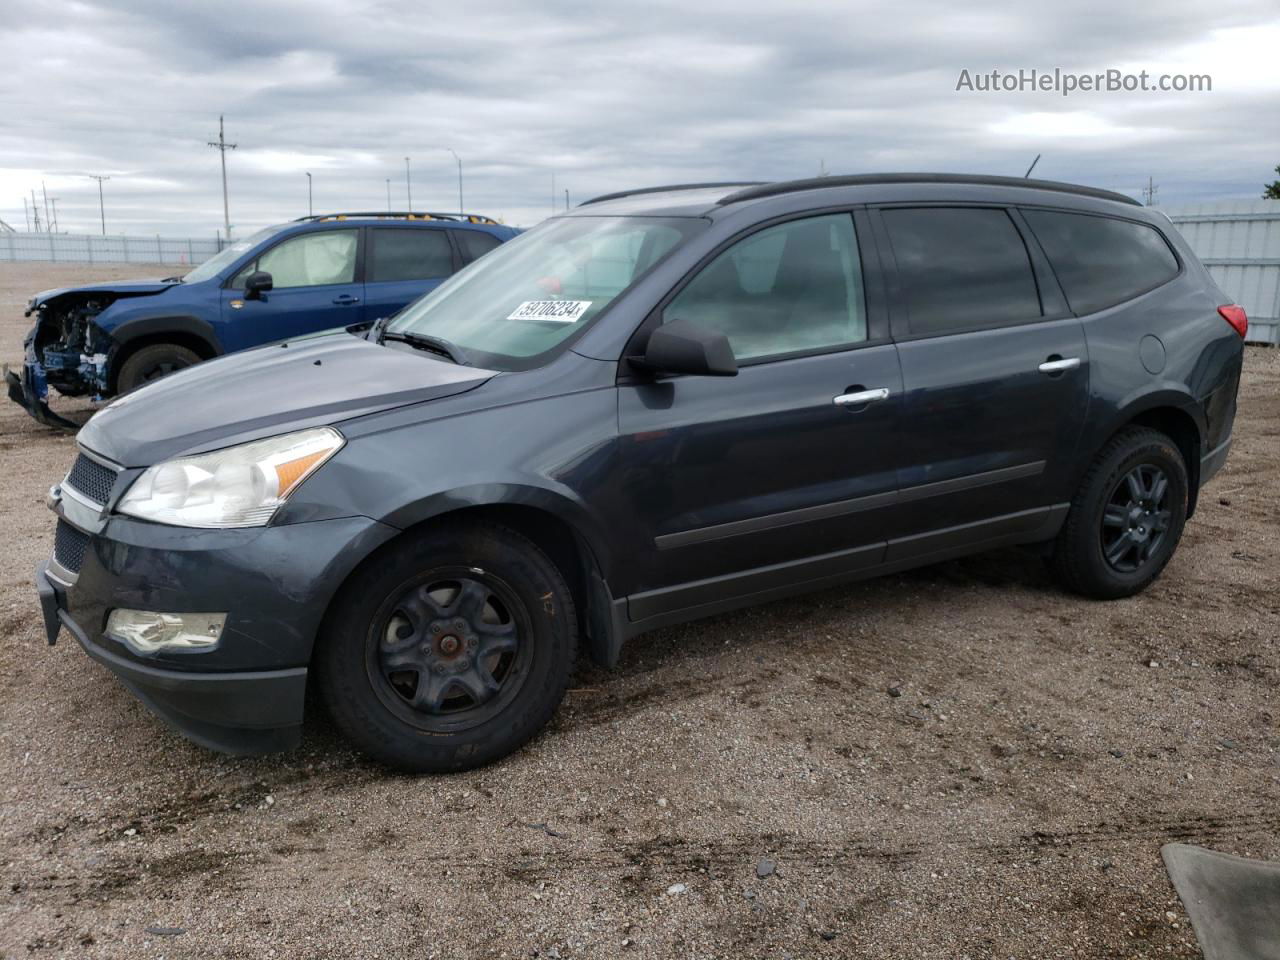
(436, 345)
(173, 280)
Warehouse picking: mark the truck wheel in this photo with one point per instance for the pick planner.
(449, 650)
(153, 362)
(1127, 518)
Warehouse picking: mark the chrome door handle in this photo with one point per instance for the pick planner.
(1058, 366)
(862, 396)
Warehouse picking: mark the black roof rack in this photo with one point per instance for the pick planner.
(400, 215)
(814, 183)
(670, 188)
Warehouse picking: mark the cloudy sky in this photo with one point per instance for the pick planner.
(603, 97)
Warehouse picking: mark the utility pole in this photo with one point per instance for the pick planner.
(408, 187)
(310, 212)
(102, 210)
(223, 147)
(35, 212)
(459, 159)
(1149, 193)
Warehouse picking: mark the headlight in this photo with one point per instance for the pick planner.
(236, 487)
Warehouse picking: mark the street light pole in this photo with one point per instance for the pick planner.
(408, 187)
(102, 210)
(388, 194)
(459, 159)
(310, 211)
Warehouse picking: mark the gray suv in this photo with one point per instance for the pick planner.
(663, 405)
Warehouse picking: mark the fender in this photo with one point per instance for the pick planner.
(562, 505)
(1156, 396)
(1151, 397)
(605, 620)
(160, 324)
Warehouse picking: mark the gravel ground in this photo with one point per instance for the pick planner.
(1009, 802)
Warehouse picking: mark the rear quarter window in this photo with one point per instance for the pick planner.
(1101, 261)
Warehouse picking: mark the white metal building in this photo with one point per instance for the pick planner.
(1239, 241)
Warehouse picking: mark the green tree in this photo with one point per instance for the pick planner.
(1272, 190)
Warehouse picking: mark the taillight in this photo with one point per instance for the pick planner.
(1235, 316)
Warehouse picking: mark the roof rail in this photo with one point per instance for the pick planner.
(862, 179)
(671, 188)
(400, 215)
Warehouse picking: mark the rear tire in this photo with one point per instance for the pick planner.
(449, 650)
(1127, 517)
(153, 362)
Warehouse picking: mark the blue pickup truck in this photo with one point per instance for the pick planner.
(323, 271)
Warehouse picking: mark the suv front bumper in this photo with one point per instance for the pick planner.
(239, 712)
(30, 391)
(246, 694)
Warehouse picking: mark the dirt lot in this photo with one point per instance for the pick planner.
(1011, 802)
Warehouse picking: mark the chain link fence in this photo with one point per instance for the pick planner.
(90, 248)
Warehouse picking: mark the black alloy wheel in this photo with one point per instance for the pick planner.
(1136, 518)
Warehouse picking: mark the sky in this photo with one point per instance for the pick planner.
(595, 97)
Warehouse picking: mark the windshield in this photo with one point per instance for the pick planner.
(535, 292)
(229, 255)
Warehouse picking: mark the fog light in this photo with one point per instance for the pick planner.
(146, 632)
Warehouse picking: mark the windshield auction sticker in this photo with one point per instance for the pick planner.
(551, 311)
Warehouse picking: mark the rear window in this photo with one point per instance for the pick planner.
(961, 268)
(475, 243)
(421, 254)
(1102, 261)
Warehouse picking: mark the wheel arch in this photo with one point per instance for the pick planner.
(1177, 416)
(551, 526)
(184, 331)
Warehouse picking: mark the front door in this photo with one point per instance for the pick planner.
(742, 485)
(315, 286)
(996, 378)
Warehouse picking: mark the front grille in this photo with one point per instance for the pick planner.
(92, 479)
(69, 545)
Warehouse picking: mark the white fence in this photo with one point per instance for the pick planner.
(90, 248)
(1239, 241)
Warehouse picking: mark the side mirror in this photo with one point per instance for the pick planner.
(256, 284)
(684, 347)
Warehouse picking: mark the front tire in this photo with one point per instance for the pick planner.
(153, 362)
(1127, 517)
(449, 650)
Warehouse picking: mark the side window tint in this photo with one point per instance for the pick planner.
(793, 287)
(310, 260)
(1101, 261)
(475, 243)
(413, 254)
(960, 268)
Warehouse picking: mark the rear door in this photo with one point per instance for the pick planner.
(402, 264)
(778, 475)
(316, 286)
(995, 375)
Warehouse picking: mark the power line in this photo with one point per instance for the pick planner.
(223, 147)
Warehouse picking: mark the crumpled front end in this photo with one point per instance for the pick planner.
(64, 350)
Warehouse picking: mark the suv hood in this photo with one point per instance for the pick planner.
(267, 391)
(127, 288)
